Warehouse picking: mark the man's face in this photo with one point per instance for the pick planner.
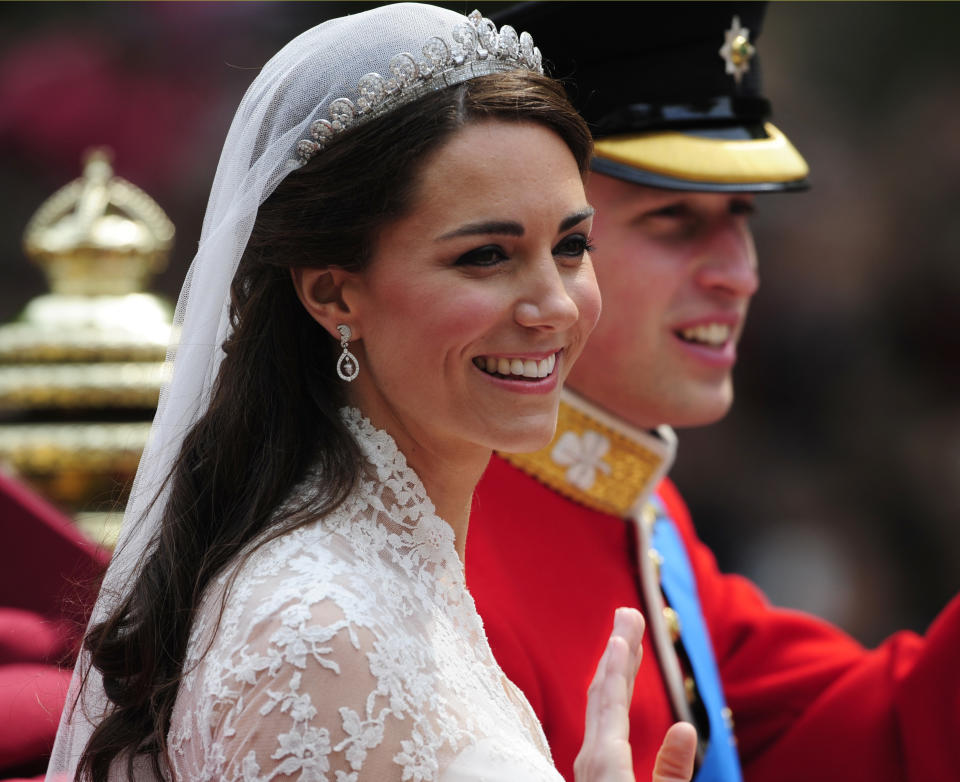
(676, 272)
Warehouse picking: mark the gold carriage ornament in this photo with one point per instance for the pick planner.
(82, 366)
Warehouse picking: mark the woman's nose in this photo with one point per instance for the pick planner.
(545, 301)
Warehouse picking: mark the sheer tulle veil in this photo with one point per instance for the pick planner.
(293, 90)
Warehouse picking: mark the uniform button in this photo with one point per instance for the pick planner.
(690, 688)
(648, 515)
(656, 559)
(673, 623)
(727, 714)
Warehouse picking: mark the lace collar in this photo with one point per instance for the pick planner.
(418, 530)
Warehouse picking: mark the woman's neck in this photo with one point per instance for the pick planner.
(448, 467)
(450, 480)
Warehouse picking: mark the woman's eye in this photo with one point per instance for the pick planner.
(573, 246)
(482, 256)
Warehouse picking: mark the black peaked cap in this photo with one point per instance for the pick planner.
(643, 67)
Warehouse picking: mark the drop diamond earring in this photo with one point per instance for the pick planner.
(347, 365)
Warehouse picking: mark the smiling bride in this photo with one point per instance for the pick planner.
(393, 279)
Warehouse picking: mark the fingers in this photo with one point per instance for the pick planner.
(677, 754)
(605, 755)
(614, 694)
(625, 650)
(593, 701)
(628, 624)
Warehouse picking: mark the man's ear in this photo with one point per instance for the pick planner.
(321, 293)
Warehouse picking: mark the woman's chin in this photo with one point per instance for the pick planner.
(529, 437)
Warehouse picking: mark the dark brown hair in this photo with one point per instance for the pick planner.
(274, 407)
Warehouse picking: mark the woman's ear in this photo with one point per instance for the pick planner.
(321, 293)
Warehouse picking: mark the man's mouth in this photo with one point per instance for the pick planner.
(713, 335)
(517, 368)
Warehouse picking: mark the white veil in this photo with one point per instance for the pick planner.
(294, 89)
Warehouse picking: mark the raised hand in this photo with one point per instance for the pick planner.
(605, 754)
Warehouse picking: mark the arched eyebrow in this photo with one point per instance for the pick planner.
(511, 227)
(577, 217)
(503, 227)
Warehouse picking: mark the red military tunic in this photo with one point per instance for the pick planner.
(808, 701)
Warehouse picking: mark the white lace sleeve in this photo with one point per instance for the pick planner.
(299, 701)
(350, 650)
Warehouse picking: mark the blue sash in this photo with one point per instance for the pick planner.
(720, 762)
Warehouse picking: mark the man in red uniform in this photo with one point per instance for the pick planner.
(559, 539)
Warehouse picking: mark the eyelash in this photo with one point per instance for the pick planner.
(481, 256)
(473, 257)
(584, 245)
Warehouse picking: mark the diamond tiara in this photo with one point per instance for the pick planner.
(477, 50)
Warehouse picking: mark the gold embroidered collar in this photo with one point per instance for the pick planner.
(599, 460)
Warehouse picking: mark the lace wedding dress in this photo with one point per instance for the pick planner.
(350, 650)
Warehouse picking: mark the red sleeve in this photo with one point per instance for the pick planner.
(810, 703)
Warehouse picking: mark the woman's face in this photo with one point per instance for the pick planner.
(476, 303)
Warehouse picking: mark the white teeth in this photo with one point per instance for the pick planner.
(714, 334)
(547, 365)
(519, 367)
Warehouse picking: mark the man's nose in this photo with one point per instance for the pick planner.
(729, 262)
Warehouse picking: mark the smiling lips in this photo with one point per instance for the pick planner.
(516, 368)
(713, 335)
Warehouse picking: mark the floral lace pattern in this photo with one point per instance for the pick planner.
(350, 649)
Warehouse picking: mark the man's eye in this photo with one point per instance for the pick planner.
(744, 208)
(573, 246)
(490, 255)
(671, 211)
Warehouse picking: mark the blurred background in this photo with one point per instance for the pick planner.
(835, 482)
